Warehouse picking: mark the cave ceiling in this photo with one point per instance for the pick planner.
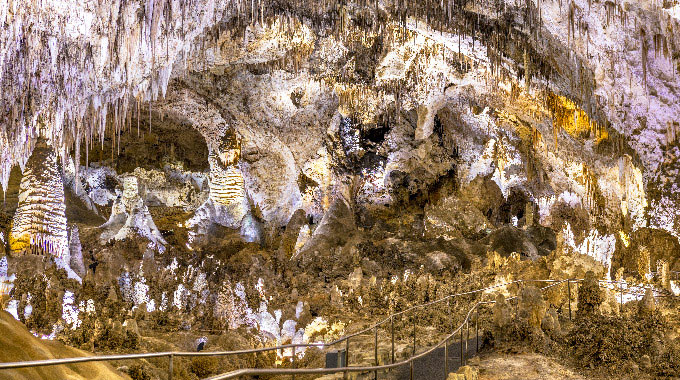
(560, 97)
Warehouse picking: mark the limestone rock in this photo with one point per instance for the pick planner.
(334, 230)
(631, 367)
(551, 322)
(662, 270)
(464, 373)
(572, 265)
(131, 326)
(452, 218)
(303, 238)
(251, 229)
(532, 306)
(508, 239)
(502, 314)
(484, 194)
(336, 297)
(171, 187)
(76, 251)
(355, 279)
(648, 304)
(290, 236)
(589, 296)
(439, 261)
(131, 217)
(645, 362)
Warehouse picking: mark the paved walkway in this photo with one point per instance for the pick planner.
(431, 367)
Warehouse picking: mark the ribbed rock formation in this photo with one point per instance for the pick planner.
(227, 189)
(227, 204)
(39, 225)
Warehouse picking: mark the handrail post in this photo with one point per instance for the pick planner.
(446, 359)
(477, 329)
(467, 324)
(461, 346)
(448, 304)
(392, 323)
(411, 363)
(519, 291)
(292, 364)
(375, 373)
(344, 376)
(414, 335)
(170, 366)
(569, 295)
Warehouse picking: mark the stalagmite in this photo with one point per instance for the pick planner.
(39, 225)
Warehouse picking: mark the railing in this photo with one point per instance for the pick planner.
(465, 325)
(346, 339)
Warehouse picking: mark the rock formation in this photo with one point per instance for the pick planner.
(352, 157)
(130, 218)
(39, 225)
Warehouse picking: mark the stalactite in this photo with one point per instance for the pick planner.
(644, 52)
(672, 133)
(527, 71)
(155, 29)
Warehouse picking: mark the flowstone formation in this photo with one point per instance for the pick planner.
(257, 173)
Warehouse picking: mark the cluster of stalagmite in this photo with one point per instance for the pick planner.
(39, 225)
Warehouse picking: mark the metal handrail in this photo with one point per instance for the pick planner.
(410, 360)
(262, 371)
(37, 363)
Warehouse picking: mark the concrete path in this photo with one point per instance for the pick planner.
(431, 367)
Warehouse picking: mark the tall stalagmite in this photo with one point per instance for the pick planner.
(39, 225)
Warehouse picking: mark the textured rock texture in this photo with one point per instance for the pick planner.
(234, 164)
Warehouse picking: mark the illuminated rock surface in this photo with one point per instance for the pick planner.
(285, 169)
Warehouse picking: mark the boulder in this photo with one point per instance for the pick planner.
(509, 239)
(452, 218)
(334, 230)
(438, 261)
(130, 325)
(483, 194)
(292, 232)
(645, 362)
(464, 373)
